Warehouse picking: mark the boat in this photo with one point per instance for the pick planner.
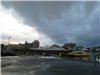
(23, 54)
(84, 49)
(79, 54)
(56, 55)
(39, 55)
(95, 50)
(98, 57)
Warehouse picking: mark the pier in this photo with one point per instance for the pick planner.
(35, 52)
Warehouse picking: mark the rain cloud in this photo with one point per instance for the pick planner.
(62, 21)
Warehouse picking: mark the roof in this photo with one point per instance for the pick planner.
(13, 44)
(79, 46)
(61, 49)
(70, 43)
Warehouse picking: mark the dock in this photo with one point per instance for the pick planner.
(35, 52)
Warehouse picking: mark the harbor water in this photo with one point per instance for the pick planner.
(49, 65)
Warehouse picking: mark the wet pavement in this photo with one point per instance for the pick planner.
(45, 65)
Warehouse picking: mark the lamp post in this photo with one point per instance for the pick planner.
(9, 39)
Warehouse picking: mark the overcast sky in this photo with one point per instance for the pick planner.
(56, 22)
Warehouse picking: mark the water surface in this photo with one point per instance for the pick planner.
(49, 65)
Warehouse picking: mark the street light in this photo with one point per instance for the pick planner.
(9, 39)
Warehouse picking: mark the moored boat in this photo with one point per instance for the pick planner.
(84, 49)
(79, 54)
(23, 54)
(98, 57)
(55, 55)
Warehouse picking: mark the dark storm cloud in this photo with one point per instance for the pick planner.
(63, 22)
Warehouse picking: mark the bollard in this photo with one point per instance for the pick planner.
(89, 59)
(95, 59)
(81, 57)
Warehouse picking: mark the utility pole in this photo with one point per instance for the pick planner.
(9, 39)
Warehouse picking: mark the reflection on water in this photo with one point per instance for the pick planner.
(48, 57)
(91, 58)
(49, 65)
(83, 58)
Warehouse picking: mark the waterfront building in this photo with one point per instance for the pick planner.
(93, 48)
(79, 47)
(34, 44)
(98, 49)
(54, 46)
(21, 46)
(70, 46)
(2, 46)
(13, 46)
(26, 45)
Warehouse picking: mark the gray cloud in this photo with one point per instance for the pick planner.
(63, 22)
